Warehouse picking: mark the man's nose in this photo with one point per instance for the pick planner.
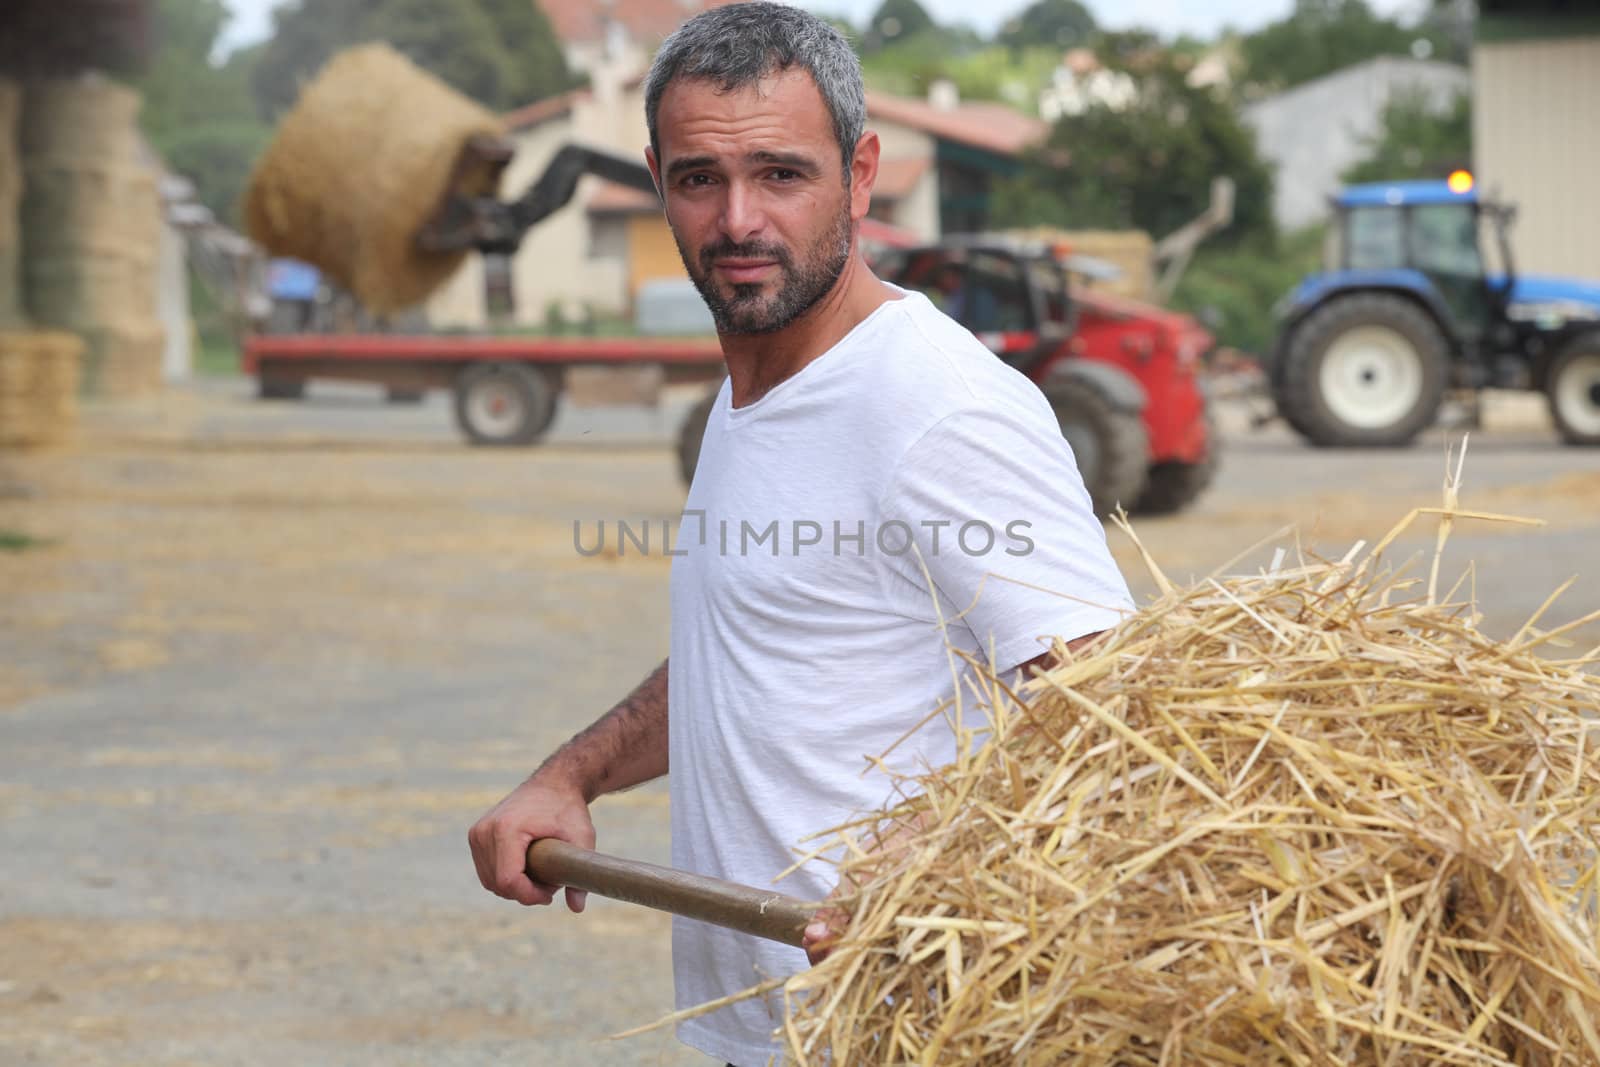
(742, 214)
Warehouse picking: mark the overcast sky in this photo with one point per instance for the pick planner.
(252, 20)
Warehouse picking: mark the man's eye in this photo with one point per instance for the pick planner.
(784, 175)
(695, 180)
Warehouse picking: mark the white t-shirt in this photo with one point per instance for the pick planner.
(804, 632)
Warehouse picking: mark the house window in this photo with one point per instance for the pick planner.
(608, 237)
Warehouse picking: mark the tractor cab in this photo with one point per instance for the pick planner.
(1435, 237)
(1418, 297)
(1013, 294)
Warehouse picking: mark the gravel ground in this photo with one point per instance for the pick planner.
(268, 662)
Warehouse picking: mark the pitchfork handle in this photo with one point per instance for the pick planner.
(738, 907)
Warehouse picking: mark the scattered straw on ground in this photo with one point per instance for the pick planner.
(1310, 815)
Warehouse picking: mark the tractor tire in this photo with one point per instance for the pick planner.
(1572, 387)
(504, 404)
(1363, 370)
(1109, 442)
(692, 433)
(1173, 486)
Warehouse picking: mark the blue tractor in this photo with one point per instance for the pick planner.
(1410, 308)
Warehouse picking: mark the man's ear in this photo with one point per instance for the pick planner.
(655, 171)
(863, 173)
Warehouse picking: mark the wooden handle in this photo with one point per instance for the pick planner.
(738, 907)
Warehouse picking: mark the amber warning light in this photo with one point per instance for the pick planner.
(1460, 182)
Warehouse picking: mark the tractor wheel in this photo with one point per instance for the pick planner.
(1173, 486)
(693, 432)
(1573, 389)
(1368, 369)
(504, 403)
(1109, 442)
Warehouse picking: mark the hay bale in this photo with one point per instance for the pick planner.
(83, 121)
(1310, 815)
(38, 388)
(358, 166)
(123, 359)
(10, 206)
(1130, 251)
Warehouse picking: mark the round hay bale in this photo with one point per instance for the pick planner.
(1307, 816)
(86, 119)
(358, 166)
(10, 206)
(38, 387)
(81, 292)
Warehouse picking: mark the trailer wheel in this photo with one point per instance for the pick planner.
(1573, 390)
(692, 433)
(1109, 442)
(270, 388)
(1363, 370)
(504, 403)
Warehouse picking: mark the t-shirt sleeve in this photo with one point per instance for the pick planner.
(998, 514)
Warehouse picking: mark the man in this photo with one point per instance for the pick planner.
(877, 496)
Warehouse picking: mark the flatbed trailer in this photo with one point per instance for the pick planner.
(505, 388)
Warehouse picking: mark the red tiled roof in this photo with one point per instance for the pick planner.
(583, 21)
(542, 111)
(614, 199)
(992, 127)
(897, 177)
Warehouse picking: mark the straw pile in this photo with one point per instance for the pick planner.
(91, 222)
(356, 169)
(10, 202)
(38, 387)
(1310, 816)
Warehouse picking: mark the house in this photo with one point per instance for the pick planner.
(1536, 128)
(1316, 131)
(940, 160)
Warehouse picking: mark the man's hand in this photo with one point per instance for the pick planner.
(542, 806)
(823, 932)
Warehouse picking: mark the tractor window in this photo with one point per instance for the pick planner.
(983, 291)
(1374, 239)
(1444, 240)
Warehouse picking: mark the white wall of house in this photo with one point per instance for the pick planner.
(1536, 143)
(1316, 131)
(919, 210)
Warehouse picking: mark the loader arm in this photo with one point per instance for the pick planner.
(494, 226)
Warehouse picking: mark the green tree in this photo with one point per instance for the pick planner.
(198, 115)
(894, 21)
(1055, 23)
(1147, 166)
(1417, 140)
(502, 53)
(1319, 37)
(535, 65)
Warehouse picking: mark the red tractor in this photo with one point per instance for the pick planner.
(1122, 376)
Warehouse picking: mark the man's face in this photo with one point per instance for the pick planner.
(756, 197)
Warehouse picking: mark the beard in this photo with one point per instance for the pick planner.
(744, 309)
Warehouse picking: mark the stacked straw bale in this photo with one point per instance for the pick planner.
(38, 387)
(92, 221)
(10, 204)
(356, 169)
(1311, 816)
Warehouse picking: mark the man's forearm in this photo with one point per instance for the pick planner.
(624, 747)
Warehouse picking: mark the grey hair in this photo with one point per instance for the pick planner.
(738, 45)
